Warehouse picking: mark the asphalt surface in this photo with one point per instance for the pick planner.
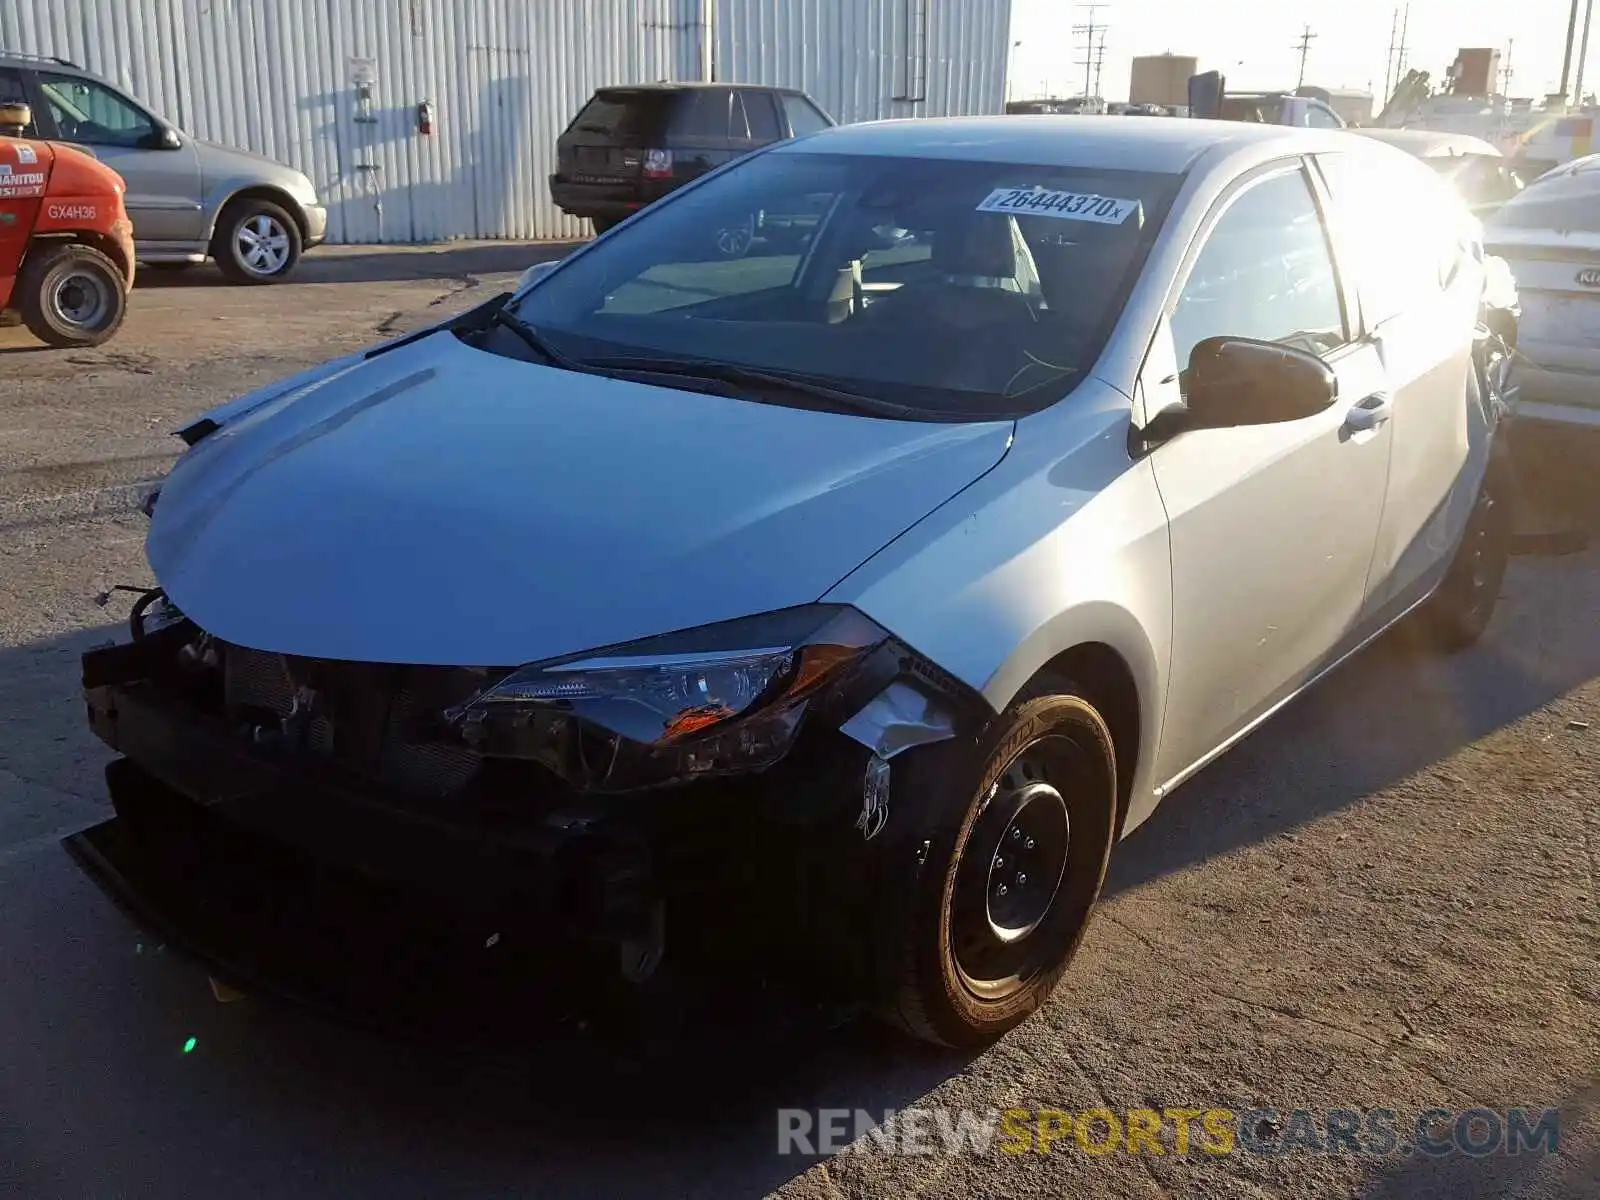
(1389, 897)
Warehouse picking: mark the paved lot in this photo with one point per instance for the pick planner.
(1389, 897)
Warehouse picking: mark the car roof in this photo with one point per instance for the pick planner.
(1165, 145)
(46, 62)
(1431, 143)
(1587, 165)
(665, 85)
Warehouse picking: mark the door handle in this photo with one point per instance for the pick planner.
(1372, 412)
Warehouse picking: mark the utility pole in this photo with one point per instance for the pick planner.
(1089, 29)
(1100, 55)
(1388, 62)
(1402, 51)
(1566, 56)
(1505, 71)
(1304, 46)
(1583, 53)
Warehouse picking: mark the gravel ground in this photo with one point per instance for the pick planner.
(1388, 897)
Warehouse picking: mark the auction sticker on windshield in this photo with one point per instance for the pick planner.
(1070, 206)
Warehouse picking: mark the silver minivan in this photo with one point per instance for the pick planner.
(189, 199)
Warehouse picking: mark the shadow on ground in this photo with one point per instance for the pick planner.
(378, 264)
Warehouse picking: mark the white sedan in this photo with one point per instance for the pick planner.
(1549, 234)
(877, 584)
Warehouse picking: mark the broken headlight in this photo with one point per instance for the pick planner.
(722, 699)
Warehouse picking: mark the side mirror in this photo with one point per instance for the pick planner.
(163, 137)
(15, 115)
(1241, 381)
(536, 272)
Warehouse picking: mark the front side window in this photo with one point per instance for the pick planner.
(91, 113)
(951, 288)
(1318, 117)
(1265, 271)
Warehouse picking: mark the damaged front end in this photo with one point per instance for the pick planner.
(588, 795)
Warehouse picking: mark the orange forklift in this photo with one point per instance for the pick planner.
(66, 244)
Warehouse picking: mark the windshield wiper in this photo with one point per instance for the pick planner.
(533, 339)
(763, 383)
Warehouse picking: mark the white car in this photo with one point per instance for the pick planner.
(879, 585)
(1549, 234)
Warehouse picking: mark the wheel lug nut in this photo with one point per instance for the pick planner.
(999, 864)
(1001, 890)
(1016, 835)
(1021, 879)
(1028, 845)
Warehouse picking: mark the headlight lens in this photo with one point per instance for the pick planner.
(723, 699)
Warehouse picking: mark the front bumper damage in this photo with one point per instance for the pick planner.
(222, 754)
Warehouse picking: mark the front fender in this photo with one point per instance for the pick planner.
(225, 192)
(1061, 545)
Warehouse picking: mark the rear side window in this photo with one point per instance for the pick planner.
(1403, 228)
(704, 112)
(759, 116)
(804, 117)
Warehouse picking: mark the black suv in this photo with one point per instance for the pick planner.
(629, 146)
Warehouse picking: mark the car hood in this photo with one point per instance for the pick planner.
(221, 162)
(442, 505)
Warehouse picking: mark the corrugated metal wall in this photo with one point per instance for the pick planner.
(505, 76)
(866, 60)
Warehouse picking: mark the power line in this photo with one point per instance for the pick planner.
(1304, 46)
(1093, 47)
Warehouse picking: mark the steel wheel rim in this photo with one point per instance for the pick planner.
(1026, 867)
(262, 243)
(999, 941)
(81, 299)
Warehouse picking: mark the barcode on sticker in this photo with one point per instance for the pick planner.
(1070, 206)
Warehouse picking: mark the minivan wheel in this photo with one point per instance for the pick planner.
(1006, 870)
(71, 295)
(256, 242)
(1458, 613)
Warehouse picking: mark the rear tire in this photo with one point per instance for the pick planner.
(256, 242)
(72, 295)
(1000, 880)
(1458, 613)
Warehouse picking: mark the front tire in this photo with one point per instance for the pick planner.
(72, 295)
(1458, 613)
(256, 242)
(1016, 838)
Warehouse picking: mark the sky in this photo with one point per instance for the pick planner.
(1254, 44)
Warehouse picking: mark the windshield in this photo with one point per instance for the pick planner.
(954, 289)
(1563, 203)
